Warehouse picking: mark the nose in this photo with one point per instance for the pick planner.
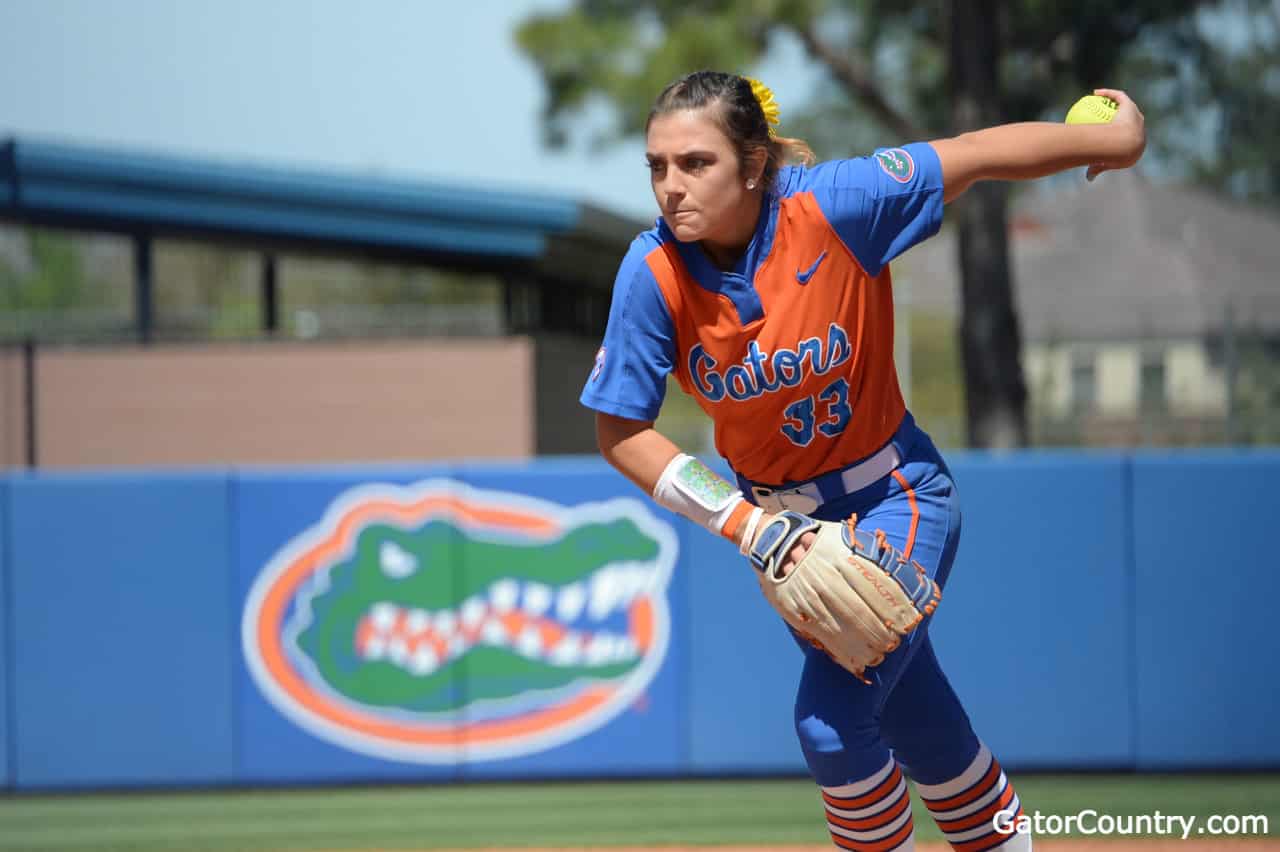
(670, 186)
(672, 194)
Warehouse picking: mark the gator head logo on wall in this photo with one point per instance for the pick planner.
(427, 622)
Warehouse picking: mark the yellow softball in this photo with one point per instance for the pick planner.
(1092, 109)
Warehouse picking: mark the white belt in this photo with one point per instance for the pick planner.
(808, 496)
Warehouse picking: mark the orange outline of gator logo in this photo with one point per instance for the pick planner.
(283, 592)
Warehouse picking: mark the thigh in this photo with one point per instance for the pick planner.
(924, 723)
(919, 512)
(917, 506)
(916, 509)
(837, 716)
(836, 721)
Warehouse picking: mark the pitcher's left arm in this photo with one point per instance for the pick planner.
(1035, 149)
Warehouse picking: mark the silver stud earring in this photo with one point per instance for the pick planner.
(751, 184)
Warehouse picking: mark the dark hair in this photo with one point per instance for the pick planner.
(738, 115)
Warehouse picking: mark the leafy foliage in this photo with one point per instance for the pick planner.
(1211, 85)
(56, 280)
(886, 62)
(909, 69)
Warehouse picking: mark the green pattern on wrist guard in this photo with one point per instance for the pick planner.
(704, 485)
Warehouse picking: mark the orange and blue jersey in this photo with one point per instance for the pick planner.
(791, 352)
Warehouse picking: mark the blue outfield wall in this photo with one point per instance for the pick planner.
(121, 664)
(1208, 683)
(486, 620)
(1034, 628)
(6, 624)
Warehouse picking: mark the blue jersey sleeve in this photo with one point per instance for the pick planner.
(880, 205)
(629, 377)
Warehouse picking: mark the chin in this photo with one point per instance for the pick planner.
(686, 232)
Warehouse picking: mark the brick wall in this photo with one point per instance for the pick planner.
(274, 403)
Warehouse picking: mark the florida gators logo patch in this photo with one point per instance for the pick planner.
(599, 364)
(897, 163)
(426, 622)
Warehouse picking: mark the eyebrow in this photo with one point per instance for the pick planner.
(682, 155)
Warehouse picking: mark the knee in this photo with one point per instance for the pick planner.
(817, 736)
(933, 753)
(837, 755)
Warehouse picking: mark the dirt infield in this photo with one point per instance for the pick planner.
(1224, 844)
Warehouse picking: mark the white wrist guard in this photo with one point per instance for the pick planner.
(688, 487)
(749, 534)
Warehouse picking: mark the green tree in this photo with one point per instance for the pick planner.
(56, 280)
(894, 72)
(1213, 97)
(51, 294)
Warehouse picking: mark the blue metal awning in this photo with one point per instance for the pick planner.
(155, 194)
(557, 257)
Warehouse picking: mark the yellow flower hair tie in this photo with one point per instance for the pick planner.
(764, 96)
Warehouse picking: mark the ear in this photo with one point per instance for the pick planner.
(755, 164)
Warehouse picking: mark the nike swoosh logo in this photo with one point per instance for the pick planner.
(803, 277)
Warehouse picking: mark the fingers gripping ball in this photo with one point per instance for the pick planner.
(852, 594)
(1092, 109)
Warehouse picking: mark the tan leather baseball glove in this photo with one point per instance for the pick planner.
(852, 594)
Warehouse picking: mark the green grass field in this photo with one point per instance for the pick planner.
(555, 814)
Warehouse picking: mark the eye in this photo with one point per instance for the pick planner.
(695, 164)
(654, 166)
(396, 562)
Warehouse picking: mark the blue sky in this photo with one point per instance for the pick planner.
(417, 90)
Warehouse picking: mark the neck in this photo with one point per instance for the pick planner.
(725, 250)
(724, 256)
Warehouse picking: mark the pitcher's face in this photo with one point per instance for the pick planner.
(696, 176)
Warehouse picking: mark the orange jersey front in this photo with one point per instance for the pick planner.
(791, 352)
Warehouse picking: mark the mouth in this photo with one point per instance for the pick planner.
(600, 622)
(395, 626)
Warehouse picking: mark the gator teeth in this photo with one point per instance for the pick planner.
(600, 649)
(417, 621)
(625, 649)
(493, 633)
(473, 609)
(421, 657)
(616, 586)
(422, 641)
(529, 642)
(398, 651)
(569, 602)
(374, 648)
(607, 587)
(504, 594)
(424, 660)
(537, 598)
(445, 622)
(638, 577)
(567, 651)
(384, 615)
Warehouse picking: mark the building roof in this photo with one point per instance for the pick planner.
(124, 191)
(1122, 258)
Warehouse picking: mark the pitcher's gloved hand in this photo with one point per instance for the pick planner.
(851, 594)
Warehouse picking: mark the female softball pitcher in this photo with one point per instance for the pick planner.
(766, 288)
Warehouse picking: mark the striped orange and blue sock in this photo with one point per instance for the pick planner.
(965, 808)
(871, 815)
